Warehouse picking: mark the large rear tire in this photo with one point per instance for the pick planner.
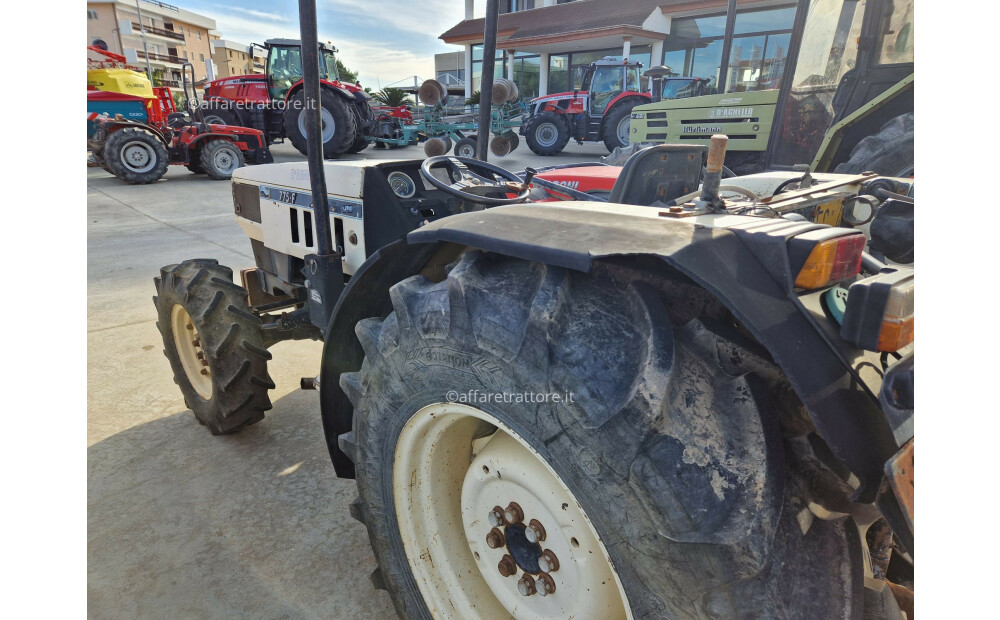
(220, 113)
(663, 460)
(213, 344)
(339, 125)
(617, 125)
(546, 133)
(135, 156)
(888, 152)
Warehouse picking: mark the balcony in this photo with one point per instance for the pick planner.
(161, 58)
(153, 31)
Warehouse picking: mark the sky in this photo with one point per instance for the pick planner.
(385, 41)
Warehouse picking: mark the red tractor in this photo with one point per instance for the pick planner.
(139, 152)
(600, 111)
(273, 102)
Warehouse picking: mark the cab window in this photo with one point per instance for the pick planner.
(284, 68)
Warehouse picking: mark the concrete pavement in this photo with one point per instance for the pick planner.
(181, 523)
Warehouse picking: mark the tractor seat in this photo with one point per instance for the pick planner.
(659, 174)
(177, 120)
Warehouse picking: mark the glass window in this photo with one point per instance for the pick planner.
(705, 63)
(526, 75)
(285, 67)
(896, 39)
(764, 21)
(832, 30)
(558, 73)
(91, 14)
(699, 27)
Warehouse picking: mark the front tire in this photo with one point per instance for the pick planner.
(219, 158)
(213, 344)
(546, 133)
(135, 156)
(669, 448)
(339, 126)
(466, 147)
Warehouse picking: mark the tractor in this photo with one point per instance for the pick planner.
(669, 404)
(600, 111)
(845, 102)
(139, 151)
(273, 102)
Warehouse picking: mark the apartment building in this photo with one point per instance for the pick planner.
(232, 58)
(545, 45)
(173, 36)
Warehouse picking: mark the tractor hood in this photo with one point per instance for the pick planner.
(558, 96)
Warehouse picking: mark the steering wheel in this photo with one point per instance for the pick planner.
(476, 187)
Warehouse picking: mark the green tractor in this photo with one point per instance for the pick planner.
(841, 99)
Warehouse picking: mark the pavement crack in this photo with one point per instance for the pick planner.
(169, 225)
(104, 329)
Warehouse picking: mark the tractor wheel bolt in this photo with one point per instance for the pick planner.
(199, 354)
(526, 585)
(494, 540)
(507, 566)
(190, 326)
(534, 532)
(496, 517)
(196, 342)
(513, 513)
(548, 561)
(546, 584)
(204, 371)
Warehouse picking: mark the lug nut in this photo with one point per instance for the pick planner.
(190, 326)
(204, 371)
(513, 513)
(526, 585)
(197, 342)
(507, 566)
(534, 532)
(548, 561)
(496, 517)
(200, 354)
(546, 585)
(494, 540)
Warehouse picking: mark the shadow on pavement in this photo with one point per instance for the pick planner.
(184, 524)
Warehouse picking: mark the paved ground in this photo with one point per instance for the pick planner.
(181, 523)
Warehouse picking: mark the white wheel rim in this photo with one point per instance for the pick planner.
(446, 483)
(138, 156)
(188, 344)
(329, 125)
(225, 159)
(623, 129)
(546, 134)
(466, 150)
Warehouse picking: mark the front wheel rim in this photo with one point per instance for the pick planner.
(546, 134)
(454, 465)
(225, 160)
(187, 342)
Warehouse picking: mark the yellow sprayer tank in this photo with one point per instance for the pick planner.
(119, 80)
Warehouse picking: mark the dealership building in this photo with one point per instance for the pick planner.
(545, 45)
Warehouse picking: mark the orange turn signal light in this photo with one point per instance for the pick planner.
(897, 321)
(879, 312)
(831, 261)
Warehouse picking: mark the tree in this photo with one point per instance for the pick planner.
(346, 75)
(393, 97)
(473, 100)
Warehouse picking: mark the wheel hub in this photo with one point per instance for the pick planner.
(547, 134)
(138, 156)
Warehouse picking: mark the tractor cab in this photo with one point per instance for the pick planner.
(284, 65)
(608, 78)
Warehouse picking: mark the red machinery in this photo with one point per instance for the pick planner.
(274, 102)
(600, 111)
(139, 152)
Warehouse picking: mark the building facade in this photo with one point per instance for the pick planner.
(173, 36)
(232, 58)
(545, 45)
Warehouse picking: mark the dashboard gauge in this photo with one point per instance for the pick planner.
(456, 175)
(402, 185)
